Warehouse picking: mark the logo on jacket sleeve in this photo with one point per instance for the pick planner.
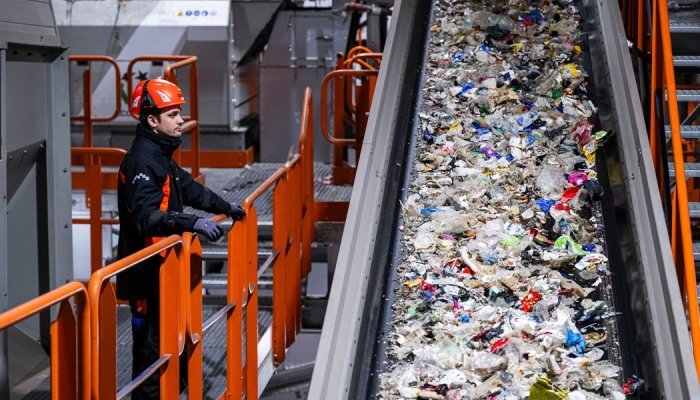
(140, 175)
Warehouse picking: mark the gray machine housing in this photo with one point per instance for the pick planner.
(35, 216)
(245, 97)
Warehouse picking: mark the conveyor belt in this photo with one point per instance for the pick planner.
(645, 287)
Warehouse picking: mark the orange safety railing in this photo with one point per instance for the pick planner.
(191, 312)
(662, 77)
(87, 118)
(169, 74)
(180, 314)
(342, 171)
(93, 180)
(663, 85)
(363, 61)
(293, 229)
(103, 310)
(70, 338)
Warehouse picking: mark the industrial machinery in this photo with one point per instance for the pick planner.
(246, 311)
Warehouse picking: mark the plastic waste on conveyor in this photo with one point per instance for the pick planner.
(474, 263)
(503, 254)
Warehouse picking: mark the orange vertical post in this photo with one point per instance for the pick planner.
(279, 273)
(87, 107)
(63, 333)
(192, 270)
(169, 330)
(296, 236)
(70, 350)
(307, 161)
(250, 265)
(93, 193)
(339, 90)
(104, 340)
(236, 279)
(289, 282)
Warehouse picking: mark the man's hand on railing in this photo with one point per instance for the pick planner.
(237, 212)
(211, 230)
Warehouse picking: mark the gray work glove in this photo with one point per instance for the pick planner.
(211, 230)
(237, 212)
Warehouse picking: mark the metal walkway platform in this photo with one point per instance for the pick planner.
(214, 352)
(236, 189)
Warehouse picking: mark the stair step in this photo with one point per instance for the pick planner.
(685, 20)
(694, 208)
(221, 253)
(692, 170)
(686, 61)
(687, 131)
(214, 253)
(696, 251)
(686, 95)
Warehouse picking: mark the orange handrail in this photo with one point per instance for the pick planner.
(87, 117)
(70, 377)
(358, 49)
(93, 183)
(368, 86)
(306, 150)
(103, 315)
(324, 115)
(180, 280)
(662, 77)
(169, 74)
(191, 311)
(292, 208)
(360, 59)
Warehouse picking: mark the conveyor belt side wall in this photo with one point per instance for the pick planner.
(649, 278)
(364, 256)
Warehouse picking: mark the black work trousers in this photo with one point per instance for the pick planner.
(145, 332)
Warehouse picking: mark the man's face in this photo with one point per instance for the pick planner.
(169, 122)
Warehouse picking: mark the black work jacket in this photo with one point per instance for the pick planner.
(152, 191)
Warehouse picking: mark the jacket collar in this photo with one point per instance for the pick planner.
(166, 143)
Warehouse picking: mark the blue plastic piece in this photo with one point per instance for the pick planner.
(545, 204)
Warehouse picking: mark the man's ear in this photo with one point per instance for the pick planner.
(152, 121)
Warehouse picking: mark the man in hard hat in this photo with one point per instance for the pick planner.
(152, 192)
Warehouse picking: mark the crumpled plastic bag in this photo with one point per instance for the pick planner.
(544, 389)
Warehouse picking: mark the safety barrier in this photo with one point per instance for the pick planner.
(663, 86)
(103, 321)
(93, 180)
(353, 90)
(290, 261)
(87, 118)
(70, 338)
(181, 325)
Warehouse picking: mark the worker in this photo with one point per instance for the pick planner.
(152, 191)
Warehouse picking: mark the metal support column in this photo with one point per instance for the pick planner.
(4, 371)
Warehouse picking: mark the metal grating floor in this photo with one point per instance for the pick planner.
(214, 353)
(236, 189)
(685, 20)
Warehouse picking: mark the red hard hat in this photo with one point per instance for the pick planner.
(155, 94)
